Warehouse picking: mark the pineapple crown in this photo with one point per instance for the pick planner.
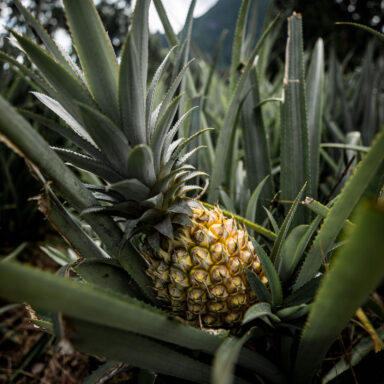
(121, 136)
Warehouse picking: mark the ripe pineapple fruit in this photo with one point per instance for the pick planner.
(201, 272)
(195, 257)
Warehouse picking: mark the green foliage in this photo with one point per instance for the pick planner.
(292, 132)
(352, 278)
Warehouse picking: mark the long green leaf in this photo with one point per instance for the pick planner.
(183, 54)
(258, 287)
(270, 271)
(16, 132)
(284, 228)
(88, 303)
(108, 137)
(70, 230)
(315, 98)
(65, 83)
(305, 294)
(84, 302)
(167, 99)
(65, 132)
(364, 28)
(256, 146)
(60, 110)
(225, 360)
(250, 212)
(108, 276)
(259, 310)
(342, 209)
(140, 35)
(237, 47)
(140, 165)
(136, 267)
(212, 67)
(152, 91)
(224, 140)
(294, 145)
(293, 248)
(357, 148)
(50, 44)
(88, 164)
(95, 52)
(351, 277)
(132, 93)
(162, 127)
(136, 350)
(169, 33)
(322, 210)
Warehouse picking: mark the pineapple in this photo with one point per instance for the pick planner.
(196, 257)
(200, 273)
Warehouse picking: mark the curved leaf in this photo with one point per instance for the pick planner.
(352, 278)
(270, 271)
(236, 56)
(225, 360)
(140, 165)
(60, 111)
(152, 91)
(107, 136)
(69, 87)
(259, 310)
(65, 132)
(224, 140)
(147, 353)
(258, 287)
(84, 302)
(341, 210)
(132, 93)
(50, 44)
(88, 164)
(315, 98)
(95, 52)
(294, 142)
(257, 156)
(284, 228)
(131, 189)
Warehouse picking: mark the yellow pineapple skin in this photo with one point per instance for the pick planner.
(201, 275)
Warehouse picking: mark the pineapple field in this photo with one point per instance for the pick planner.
(168, 218)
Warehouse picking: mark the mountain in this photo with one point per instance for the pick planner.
(208, 28)
(223, 15)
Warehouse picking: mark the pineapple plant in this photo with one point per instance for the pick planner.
(164, 252)
(196, 257)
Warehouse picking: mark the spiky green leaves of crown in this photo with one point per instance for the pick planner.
(120, 134)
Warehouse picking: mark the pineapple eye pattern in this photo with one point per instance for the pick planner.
(206, 280)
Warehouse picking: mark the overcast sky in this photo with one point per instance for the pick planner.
(177, 11)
